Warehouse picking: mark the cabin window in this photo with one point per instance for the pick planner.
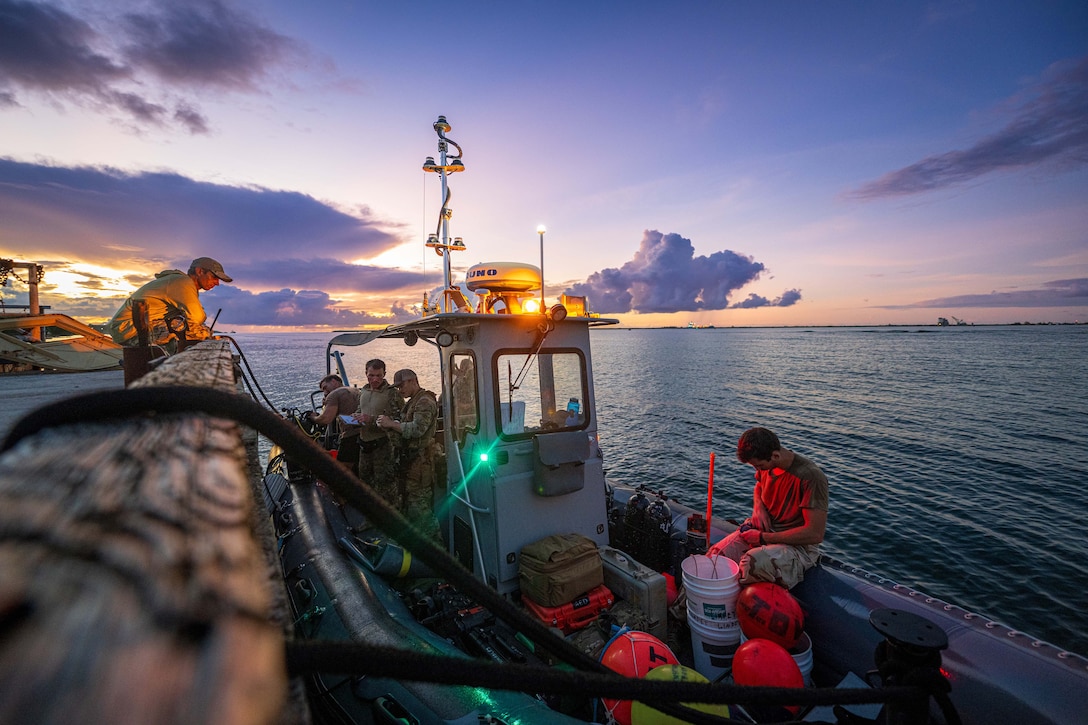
(464, 396)
(541, 393)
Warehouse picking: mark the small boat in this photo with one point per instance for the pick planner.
(522, 463)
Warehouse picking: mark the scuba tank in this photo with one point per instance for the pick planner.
(657, 542)
(646, 530)
(634, 523)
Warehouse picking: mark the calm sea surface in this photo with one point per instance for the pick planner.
(957, 456)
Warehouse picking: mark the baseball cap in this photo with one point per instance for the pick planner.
(401, 376)
(212, 266)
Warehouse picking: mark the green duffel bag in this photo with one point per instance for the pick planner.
(558, 569)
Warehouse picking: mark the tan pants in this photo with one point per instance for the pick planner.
(779, 563)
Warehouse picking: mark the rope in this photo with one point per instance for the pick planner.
(592, 679)
(252, 379)
(357, 659)
(111, 405)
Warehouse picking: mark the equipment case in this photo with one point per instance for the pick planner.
(558, 568)
(573, 615)
(639, 585)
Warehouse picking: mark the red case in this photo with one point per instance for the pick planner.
(573, 615)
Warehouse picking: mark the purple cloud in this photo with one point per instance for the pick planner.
(1057, 293)
(45, 48)
(323, 273)
(788, 298)
(195, 45)
(666, 276)
(204, 44)
(118, 217)
(1049, 125)
(289, 307)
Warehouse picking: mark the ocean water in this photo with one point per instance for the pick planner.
(957, 456)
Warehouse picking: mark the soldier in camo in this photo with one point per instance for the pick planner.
(375, 460)
(413, 436)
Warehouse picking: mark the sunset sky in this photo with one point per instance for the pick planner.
(717, 162)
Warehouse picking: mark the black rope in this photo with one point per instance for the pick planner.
(354, 658)
(109, 405)
(252, 380)
(366, 659)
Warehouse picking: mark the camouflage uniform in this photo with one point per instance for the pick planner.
(416, 461)
(376, 464)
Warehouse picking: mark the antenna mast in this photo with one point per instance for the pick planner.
(440, 240)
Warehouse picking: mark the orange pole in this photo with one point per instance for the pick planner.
(709, 499)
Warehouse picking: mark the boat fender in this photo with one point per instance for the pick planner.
(393, 561)
(390, 560)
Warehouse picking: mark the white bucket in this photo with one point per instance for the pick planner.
(711, 586)
(802, 655)
(723, 625)
(712, 589)
(712, 648)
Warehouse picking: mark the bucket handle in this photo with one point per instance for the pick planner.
(713, 564)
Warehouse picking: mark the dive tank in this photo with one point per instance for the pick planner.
(657, 542)
(634, 523)
(646, 529)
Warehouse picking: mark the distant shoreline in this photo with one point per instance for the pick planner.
(889, 324)
(925, 326)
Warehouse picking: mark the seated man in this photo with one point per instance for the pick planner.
(780, 540)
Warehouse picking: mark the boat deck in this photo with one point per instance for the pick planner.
(22, 393)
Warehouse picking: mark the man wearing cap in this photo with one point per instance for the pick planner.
(171, 293)
(414, 436)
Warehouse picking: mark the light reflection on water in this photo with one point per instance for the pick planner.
(957, 456)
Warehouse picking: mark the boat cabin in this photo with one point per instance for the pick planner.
(519, 425)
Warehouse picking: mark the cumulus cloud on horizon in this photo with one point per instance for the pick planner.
(1048, 124)
(665, 276)
(176, 48)
(294, 308)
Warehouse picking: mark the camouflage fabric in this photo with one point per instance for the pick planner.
(416, 479)
(376, 464)
(415, 461)
(377, 468)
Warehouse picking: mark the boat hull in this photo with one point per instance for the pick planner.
(996, 674)
(336, 598)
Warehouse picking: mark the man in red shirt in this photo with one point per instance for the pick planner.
(780, 540)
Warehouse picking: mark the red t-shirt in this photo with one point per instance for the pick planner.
(786, 492)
